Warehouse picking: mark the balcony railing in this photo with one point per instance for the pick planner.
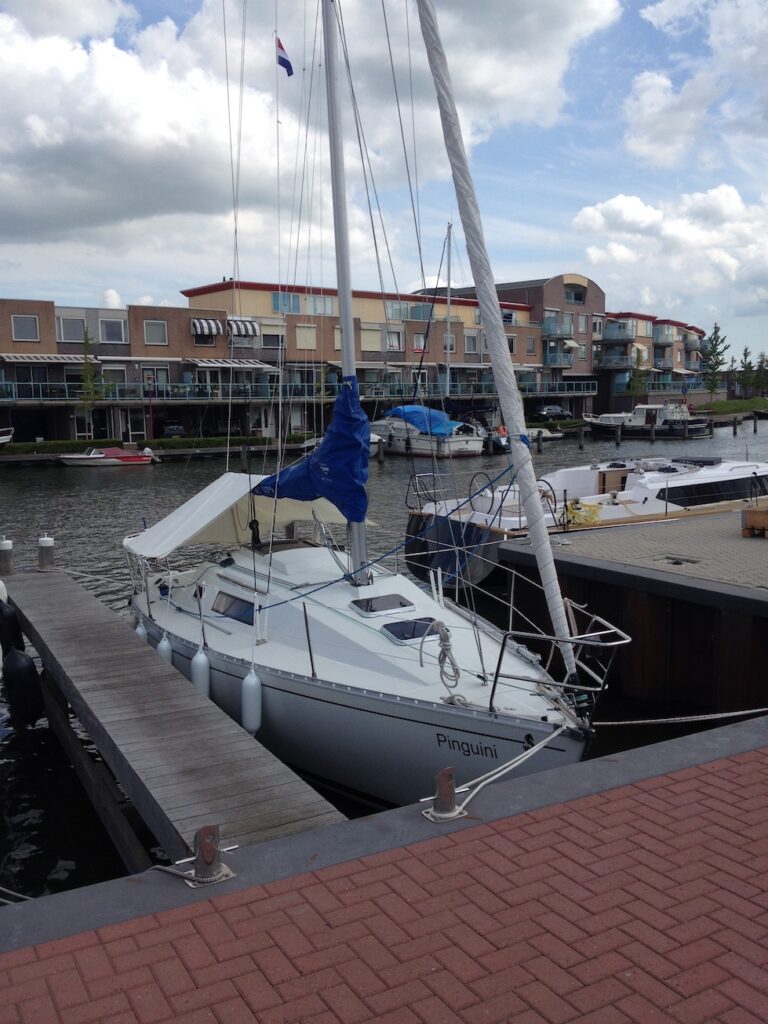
(662, 342)
(692, 344)
(558, 359)
(663, 364)
(557, 327)
(609, 362)
(618, 332)
(12, 392)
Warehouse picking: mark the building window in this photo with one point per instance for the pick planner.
(424, 311)
(25, 328)
(112, 332)
(582, 351)
(320, 305)
(394, 341)
(306, 337)
(509, 316)
(575, 296)
(155, 332)
(70, 328)
(205, 340)
(477, 314)
(272, 340)
(286, 302)
(449, 343)
(395, 310)
(583, 320)
(530, 345)
(511, 339)
(419, 343)
(470, 343)
(597, 325)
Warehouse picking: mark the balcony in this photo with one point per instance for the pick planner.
(611, 362)
(619, 332)
(663, 342)
(562, 359)
(663, 364)
(692, 344)
(557, 327)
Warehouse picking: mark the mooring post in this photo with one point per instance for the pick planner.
(581, 439)
(754, 422)
(6, 556)
(380, 450)
(711, 428)
(444, 802)
(735, 425)
(243, 458)
(685, 428)
(208, 866)
(653, 433)
(618, 435)
(45, 553)
(539, 441)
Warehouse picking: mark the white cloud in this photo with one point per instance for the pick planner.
(71, 19)
(662, 123)
(112, 300)
(709, 244)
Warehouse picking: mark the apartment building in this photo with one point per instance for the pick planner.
(261, 359)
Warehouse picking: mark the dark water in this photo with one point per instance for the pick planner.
(50, 839)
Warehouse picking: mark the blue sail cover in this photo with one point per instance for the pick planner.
(338, 468)
(428, 421)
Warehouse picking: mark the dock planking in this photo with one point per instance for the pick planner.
(180, 759)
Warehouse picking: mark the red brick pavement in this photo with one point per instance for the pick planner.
(643, 904)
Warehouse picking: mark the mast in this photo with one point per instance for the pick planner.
(448, 320)
(510, 399)
(357, 539)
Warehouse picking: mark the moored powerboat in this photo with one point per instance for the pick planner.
(418, 430)
(110, 457)
(667, 419)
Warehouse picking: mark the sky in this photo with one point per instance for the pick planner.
(625, 141)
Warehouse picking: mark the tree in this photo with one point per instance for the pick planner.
(713, 360)
(637, 384)
(760, 382)
(746, 374)
(92, 384)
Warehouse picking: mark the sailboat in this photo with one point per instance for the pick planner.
(352, 674)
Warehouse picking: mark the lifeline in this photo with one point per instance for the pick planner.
(467, 749)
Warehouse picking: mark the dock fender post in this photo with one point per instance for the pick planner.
(250, 702)
(10, 631)
(22, 687)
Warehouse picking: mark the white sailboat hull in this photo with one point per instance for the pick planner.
(372, 744)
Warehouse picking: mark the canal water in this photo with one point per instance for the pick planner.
(50, 839)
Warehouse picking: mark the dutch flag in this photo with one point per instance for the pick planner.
(282, 59)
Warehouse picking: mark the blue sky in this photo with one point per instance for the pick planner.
(622, 140)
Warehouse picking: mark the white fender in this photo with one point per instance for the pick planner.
(165, 650)
(141, 630)
(250, 710)
(201, 673)
(3, 592)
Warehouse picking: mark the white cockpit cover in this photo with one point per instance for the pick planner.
(220, 514)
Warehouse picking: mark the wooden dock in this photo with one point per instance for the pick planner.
(181, 761)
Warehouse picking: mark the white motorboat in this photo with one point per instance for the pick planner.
(349, 672)
(417, 430)
(6, 435)
(667, 419)
(110, 457)
(608, 493)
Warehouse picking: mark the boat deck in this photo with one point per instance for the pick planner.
(182, 762)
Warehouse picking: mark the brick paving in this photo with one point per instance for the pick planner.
(641, 904)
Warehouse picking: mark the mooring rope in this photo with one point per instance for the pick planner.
(684, 718)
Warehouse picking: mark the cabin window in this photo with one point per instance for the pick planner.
(689, 495)
(381, 605)
(410, 631)
(234, 608)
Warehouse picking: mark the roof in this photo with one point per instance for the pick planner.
(220, 514)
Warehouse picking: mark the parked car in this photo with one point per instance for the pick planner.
(551, 412)
(174, 430)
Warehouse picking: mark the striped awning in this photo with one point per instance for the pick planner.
(201, 325)
(39, 358)
(235, 364)
(243, 328)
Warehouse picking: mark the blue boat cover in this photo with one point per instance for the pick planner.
(428, 421)
(338, 468)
